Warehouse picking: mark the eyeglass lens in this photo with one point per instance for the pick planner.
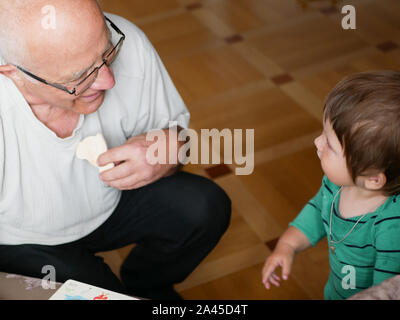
(88, 82)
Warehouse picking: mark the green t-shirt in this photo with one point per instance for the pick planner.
(367, 256)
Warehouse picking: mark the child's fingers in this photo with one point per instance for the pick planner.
(271, 278)
(275, 276)
(286, 268)
(267, 282)
(268, 269)
(268, 273)
(270, 281)
(274, 279)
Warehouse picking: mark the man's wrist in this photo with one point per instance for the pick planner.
(175, 165)
(173, 170)
(172, 136)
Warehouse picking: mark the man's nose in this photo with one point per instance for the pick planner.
(105, 79)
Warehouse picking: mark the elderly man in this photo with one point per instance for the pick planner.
(68, 71)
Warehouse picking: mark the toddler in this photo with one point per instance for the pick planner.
(357, 206)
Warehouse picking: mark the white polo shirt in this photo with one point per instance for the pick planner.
(47, 195)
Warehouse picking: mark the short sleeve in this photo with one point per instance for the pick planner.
(309, 221)
(144, 95)
(387, 244)
(160, 103)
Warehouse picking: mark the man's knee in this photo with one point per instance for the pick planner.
(209, 208)
(196, 211)
(218, 204)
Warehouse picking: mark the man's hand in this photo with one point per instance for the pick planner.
(132, 169)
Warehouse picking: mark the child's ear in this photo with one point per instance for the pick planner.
(375, 182)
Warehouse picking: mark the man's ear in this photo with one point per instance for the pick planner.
(11, 72)
(375, 182)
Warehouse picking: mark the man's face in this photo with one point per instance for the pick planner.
(68, 66)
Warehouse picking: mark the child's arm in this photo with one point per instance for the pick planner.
(305, 231)
(291, 242)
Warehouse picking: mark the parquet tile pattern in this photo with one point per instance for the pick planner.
(265, 65)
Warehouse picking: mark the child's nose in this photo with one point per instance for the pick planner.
(318, 142)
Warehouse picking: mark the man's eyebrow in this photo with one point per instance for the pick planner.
(77, 75)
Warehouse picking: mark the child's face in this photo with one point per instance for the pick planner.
(333, 161)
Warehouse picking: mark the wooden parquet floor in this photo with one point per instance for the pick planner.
(265, 65)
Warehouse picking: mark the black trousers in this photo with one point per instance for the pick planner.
(174, 222)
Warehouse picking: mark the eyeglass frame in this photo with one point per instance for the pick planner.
(73, 91)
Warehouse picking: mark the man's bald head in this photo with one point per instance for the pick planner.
(27, 38)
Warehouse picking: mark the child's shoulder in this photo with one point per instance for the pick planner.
(387, 223)
(390, 210)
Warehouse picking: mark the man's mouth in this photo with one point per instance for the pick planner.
(91, 98)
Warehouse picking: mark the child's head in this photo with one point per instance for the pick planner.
(361, 138)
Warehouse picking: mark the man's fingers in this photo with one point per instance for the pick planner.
(117, 154)
(124, 183)
(121, 171)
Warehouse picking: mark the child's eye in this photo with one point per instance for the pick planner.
(327, 143)
(325, 140)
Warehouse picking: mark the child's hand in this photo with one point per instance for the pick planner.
(282, 256)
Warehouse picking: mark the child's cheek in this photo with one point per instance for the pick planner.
(324, 164)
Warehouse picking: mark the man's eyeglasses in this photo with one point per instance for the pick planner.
(87, 82)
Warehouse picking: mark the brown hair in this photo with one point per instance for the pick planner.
(364, 110)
